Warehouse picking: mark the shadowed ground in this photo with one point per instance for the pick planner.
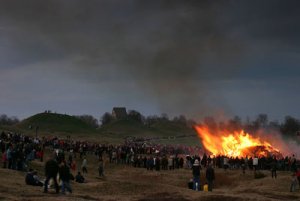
(124, 182)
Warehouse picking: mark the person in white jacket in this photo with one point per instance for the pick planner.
(84, 166)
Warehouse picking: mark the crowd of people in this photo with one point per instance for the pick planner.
(18, 150)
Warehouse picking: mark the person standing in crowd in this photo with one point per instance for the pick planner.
(84, 166)
(225, 163)
(298, 176)
(196, 175)
(64, 174)
(9, 157)
(73, 166)
(210, 176)
(293, 163)
(157, 164)
(274, 167)
(293, 182)
(255, 163)
(4, 159)
(204, 160)
(170, 163)
(51, 170)
(101, 168)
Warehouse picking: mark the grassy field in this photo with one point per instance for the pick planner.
(124, 182)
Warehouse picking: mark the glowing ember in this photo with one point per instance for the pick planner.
(236, 144)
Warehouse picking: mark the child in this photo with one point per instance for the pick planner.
(205, 187)
(190, 184)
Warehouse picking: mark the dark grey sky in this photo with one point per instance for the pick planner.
(196, 58)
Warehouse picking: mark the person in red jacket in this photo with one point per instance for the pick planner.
(73, 166)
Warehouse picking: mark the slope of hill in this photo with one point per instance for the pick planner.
(162, 132)
(61, 125)
(50, 122)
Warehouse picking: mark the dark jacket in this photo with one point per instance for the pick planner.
(210, 174)
(64, 173)
(51, 168)
(79, 178)
(196, 171)
(29, 179)
(274, 165)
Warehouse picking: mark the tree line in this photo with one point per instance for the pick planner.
(8, 121)
(289, 127)
(136, 116)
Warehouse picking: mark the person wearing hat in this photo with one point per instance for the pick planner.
(196, 175)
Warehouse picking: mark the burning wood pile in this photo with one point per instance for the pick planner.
(235, 144)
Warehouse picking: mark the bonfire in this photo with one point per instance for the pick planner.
(235, 144)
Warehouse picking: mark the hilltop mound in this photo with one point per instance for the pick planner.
(51, 122)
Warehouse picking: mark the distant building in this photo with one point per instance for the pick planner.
(119, 113)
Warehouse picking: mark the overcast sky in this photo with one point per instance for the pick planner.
(197, 58)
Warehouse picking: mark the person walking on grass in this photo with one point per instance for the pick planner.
(51, 170)
(101, 168)
(84, 166)
(64, 174)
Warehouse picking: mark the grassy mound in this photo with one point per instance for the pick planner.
(50, 122)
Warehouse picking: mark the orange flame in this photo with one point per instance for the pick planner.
(236, 144)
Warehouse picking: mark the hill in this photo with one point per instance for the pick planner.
(51, 122)
(165, 132)
(162, 132)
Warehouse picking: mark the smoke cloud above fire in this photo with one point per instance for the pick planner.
(287, 146)
(174, 57)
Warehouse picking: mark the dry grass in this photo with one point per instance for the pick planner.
(127, 183)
